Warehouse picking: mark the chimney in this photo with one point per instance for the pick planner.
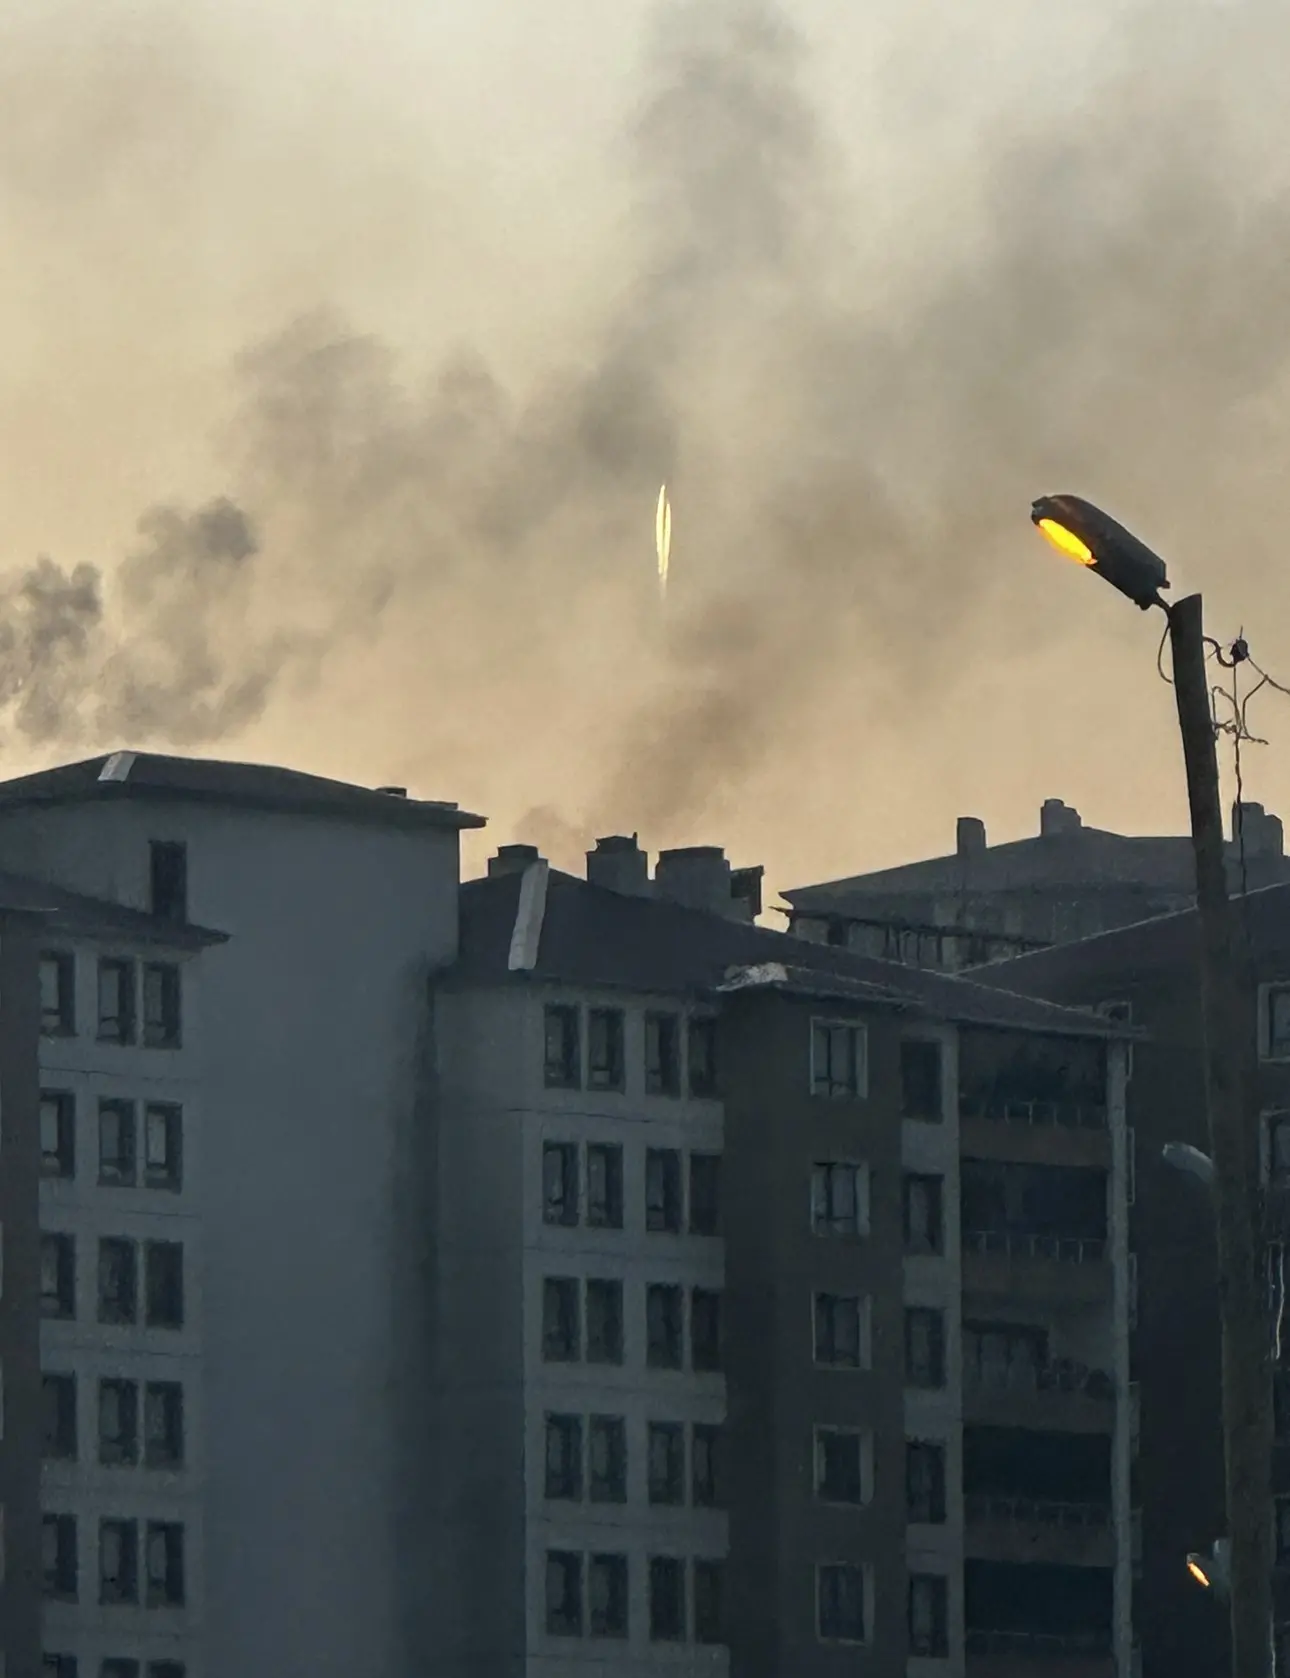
(697, 876)
(619, 864)
(512, 859)
(971, 836)
(745, 893)
(1057, 818)
(394, 792)
(1262, 833)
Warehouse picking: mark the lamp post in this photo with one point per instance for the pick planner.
(1084, 533)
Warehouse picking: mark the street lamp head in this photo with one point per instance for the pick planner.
(1213, 1571)
(1084, 533)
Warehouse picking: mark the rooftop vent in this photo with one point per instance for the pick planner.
(1261, 833)
(970, 837)
(394, 792)
(1057, 818)
(512, 859)
(696, 875)
(619, 864)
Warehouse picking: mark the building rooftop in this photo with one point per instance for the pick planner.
(255, 786)
(71, 913)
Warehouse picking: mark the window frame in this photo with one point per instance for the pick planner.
(170, 1179)
(610, 1216)
(706, 1352)
(608, 1489)
(866, 1608)
(157, 1282)
(112, 1247)
(177, 1425)
(666, 1491)
(934, 1182)
(564, 1288)
(670, 1292)
(67, 1562)
(939, 1374)
(864, 1326)
(123, 1452)
(62, 1243)
(615, 1623)
(127, 1031)
(60, 1021)
(709, 1626)
(61, 1443)
(934, 1451)
(827, 1225)
(567, 1429)
(823, 1084)
(567, 1209)
(168, 880)
(677, 1570)
(571, 1567)
(707, 1442)
(704, 1087)
(664, 1211)
(662, 1071)
(863, 1440)
(1268, 1044)
(708, 1226)
(58, 1164)
(127, 1533)
(921, 1043)
(163, 1592)
(162, 1027)
(611, 1077)
(609, 1350)
(938, 1646)
(566, 1074)
(125, 1174)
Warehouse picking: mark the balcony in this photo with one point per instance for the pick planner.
(1061, 1396)
(1038, 1530)
(1039, 1132)
(1023, 1654)
(1014, 1265)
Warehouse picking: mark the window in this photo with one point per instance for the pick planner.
(564, 1457)
(118, 1423)
(924, 1483)
(1279, 1147)
(58, 1276)
(839, 1198)
(168, 879)
(664, 1310)
(841, 1331)
(843, 1465)
(162, 1023)
(57, 1134)
(702, 1055)
(116, 1143)
(663, 1190)
(116, 1001)
(563, 1594)
(705, 1194)
(666, 1599)
(608, 1454)
(1283, 1529)
(604, 1322)
(58, 1417)
(165, 1275)
(118, 1281)
(604, 1185)
(58, 1556)
(561, 1322)
(1277, 1022)
(705, 1466)
(165, 1564)
(929, 1615)
(705, 1331)
(666, 1463)
(560, 1183)
(163, 1142)
(920, 1080)
(840, 1604)
(709, 1579)
(119, 1669)
(57, 994)
(924, 1347)
(924, 1214)
(166, 1669)
(607, 1593)
(563, 1051)
(58, 1666)
(605, 1049)
(837, 1059)
(163, 1424)
(662, 1055)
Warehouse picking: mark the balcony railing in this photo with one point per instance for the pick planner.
(1036, 1511)
(1062, 1375)
(1072, 1115)
(1040, 1644)
(1068, 1249)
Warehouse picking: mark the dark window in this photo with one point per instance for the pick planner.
(1283, 1529)
(166, 1669)
(58, 1666)
(607, 1451)
(563, 1593)
(666, 1462)
(705, 1194)
(563, 1051)
(1279, 1148)
(702, 1046)
(709, 1578)
(604, 1185)
(118, 1281)
(163, 1145)
(116, 1143)
(607, 1593)
(1003, 1356)
(116, 1001)
(57, 994)
(1278, 1018)
(561, 1320)
(163, 1424)
(929, 1615)
(118, 1423)
(165, 1270)
(837, 1059)
(58, 1556)
(840, 1462)
(924, 1214)
(662, 1055)
(169, 879)
(663, 1190)
(841, 1321)
(924, 1483)
(162, 1020)
(705, 1330)
(58, 1406)
(560, 1183)
(924, 1347)
(666, 1599)
(840, 1603)
(118, 1561)
(605, 1049)
(58, 1276)
(604, 1322)
(564, 1457)
(839, 1198)
(57, 1134)
(920, 1080)
(664, 1314)
(705, 1466)
(119, 1669)
(165, 1564)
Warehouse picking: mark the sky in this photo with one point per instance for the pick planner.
(347, 346)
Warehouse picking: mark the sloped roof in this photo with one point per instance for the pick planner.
(72, 914)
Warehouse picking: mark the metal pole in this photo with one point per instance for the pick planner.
(1231, 1080)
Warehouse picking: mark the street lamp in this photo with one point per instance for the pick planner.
(1083, 532)
(1213, 1570)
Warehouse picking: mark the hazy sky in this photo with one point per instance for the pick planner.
(387, 320)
